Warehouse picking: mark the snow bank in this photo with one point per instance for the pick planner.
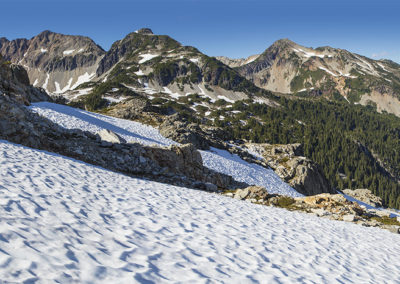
(216, 159)
(328, 71)
(224, 162)
(65, 221)
(73, 118)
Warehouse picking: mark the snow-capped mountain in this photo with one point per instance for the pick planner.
(54, 62)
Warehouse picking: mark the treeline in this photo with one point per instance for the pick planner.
(346, 140)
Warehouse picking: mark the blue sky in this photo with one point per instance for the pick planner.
(233, 28)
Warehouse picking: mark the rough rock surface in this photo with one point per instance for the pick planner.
(14, 82)
(364, 195)
(178, 129)
(110, 136)
(134, 109)
(289, 163)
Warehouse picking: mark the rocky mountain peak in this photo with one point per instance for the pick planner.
(55, 62)
(284, 42)
(145, 31)
(44, 34)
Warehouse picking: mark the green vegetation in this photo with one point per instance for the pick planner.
(298, 81)
(386, 220)
(284, 201)
(94, 101)
(357, 88)
(216, 73)
(343, 139)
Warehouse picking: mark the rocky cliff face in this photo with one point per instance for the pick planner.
(14, 82)
(55, 62)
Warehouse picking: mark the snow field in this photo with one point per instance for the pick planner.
(62, 220)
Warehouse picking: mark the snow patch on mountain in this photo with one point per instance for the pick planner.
(83, 79)
(68, 52)
(147, 57)
(328, 71)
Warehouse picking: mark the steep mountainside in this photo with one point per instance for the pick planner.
(144, 62)
(55, 62)
(289, 68)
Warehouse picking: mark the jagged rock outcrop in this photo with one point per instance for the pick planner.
(55, 62)
(178, 129)
(364, 195)
(289, 163)
(14, 82)
(133, 109)
(183, 132)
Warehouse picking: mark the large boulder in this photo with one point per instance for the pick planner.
(14, 82)
(290, 165)
(110, 136)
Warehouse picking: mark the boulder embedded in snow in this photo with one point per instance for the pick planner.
(251, 193)
(110, 136)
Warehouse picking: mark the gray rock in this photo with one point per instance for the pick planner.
(320, 212)
(211, 187)
(52, 65)
(349, 218)
(242, 193)
(110, 136)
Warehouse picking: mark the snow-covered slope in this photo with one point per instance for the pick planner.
(216, 159)
(65, 221)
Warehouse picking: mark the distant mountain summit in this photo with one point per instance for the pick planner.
(55, 62)
(337, 74)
